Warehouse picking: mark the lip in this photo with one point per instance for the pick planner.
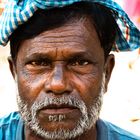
(58, 109)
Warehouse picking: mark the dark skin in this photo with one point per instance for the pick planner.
(66, 60)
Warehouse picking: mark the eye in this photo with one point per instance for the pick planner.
(39, 63)
(79, 62)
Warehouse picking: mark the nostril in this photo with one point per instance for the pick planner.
(58, 92)
(49, 91)
(55, 89)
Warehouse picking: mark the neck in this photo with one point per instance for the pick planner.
(89, 135)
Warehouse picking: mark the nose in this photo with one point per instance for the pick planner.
(58, 82)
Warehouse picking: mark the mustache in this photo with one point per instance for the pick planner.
(57, 102)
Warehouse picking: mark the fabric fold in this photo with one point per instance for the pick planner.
(17, 12)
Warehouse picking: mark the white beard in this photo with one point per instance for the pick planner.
(86, 121)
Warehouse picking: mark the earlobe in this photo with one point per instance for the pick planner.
(12, 67)
(109, 65)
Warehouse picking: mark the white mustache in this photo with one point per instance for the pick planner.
(64, 100)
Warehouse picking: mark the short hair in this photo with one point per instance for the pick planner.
(42, 20)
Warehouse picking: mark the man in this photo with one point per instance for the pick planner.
(61, 62)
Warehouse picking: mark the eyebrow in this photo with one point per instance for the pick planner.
(79, 55)
(38, 56)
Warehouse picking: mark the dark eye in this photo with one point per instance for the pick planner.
(40, 63)
(79, 62)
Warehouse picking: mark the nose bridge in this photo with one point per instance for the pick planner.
(58, 74)
(58, 82)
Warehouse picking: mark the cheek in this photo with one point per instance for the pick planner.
(29, 86)
(88, 86)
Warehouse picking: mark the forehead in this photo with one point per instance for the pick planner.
(77, 35)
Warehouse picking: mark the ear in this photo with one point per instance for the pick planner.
(12, 67)
(109, 65)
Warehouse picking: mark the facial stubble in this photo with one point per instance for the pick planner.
(85, 123)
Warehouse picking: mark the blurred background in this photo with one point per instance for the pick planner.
(121, 102)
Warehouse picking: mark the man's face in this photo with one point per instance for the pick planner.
(60, 80)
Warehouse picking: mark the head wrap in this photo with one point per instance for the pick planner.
(17, 12)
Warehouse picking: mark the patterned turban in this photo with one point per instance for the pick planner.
(17, 12)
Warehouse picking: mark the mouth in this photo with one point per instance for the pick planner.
(58, 109)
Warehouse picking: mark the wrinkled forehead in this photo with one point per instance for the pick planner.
(76, 36)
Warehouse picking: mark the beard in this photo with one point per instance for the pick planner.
(86, 121)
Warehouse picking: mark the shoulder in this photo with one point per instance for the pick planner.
(10, 118)
(114, 132)
(9, 125)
